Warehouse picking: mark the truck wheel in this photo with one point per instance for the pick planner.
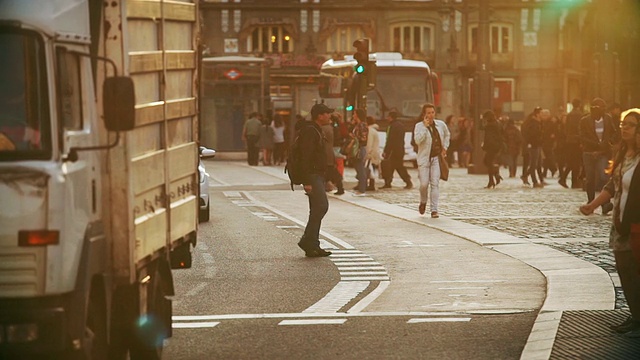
(154, 327)
(96, 328)
(203, 215)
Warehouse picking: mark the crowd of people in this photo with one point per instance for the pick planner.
(599, 148)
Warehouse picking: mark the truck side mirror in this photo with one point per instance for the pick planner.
(118, 101)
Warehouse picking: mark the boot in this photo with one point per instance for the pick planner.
(372, 185)
(491, 183)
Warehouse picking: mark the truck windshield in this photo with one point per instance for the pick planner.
(24, 115)
(404, 89)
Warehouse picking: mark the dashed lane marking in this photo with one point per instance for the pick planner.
(313, 322)
(195, 325)
(424, 320)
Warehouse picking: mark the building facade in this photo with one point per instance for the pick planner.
(542, 52)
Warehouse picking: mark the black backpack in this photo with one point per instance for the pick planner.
(294, 168)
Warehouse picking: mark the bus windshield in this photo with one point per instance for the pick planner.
(24, 115)
(404, 89)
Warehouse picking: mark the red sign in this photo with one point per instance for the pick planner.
(233, 74)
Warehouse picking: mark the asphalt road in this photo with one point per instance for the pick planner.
(394, 289)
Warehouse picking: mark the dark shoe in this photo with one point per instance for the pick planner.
(498, 179)
(339, 192)
(563, 183)
(386, 186)
(317, 253)
(606, 208)
(434, 214)
(422, 208)
(525, 180)
(409, 186)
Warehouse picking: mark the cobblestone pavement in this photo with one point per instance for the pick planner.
(549, 215)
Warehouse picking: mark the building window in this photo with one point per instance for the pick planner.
(412, 38)
(500, 39)
(270, 39)
(342, 38)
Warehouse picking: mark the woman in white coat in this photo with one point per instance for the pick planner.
(432, 137)
(373, 153)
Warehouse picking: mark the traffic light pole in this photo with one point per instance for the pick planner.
(483, 89)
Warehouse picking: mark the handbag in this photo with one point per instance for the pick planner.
(444, 168)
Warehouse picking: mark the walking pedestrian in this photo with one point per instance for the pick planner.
(278, 139)
(394, 153)
(432, 137)
(332, 174)
(314, 166)
(624, 188)
(532, 135)
(493, 145)
(573, 154)
(454, 130)
(265, 141)
(513, 139)
(373, 153)
(465, 142)
(250, 135)
(596, 137)
(361, 133)
(549, 141)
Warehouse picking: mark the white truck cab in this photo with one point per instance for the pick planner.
(98, 173)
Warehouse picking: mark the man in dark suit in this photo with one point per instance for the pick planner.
(393, 153)
(597, 134)
(572, 147)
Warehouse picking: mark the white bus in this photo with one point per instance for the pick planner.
(401, 84)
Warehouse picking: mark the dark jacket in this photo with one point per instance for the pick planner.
(394, 146)
(493, 138)
(589, 139)
(572, 127)
(532, 133)
(312, 151)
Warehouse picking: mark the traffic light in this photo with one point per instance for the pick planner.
(361, 55)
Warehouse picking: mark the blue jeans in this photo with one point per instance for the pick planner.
(318, 207)
(361, 172)
(594, 169)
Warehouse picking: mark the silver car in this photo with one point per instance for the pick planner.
(203, 177)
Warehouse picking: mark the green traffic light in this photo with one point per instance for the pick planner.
(359, 68)
(349, 107)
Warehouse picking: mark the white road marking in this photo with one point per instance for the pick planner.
(210, 273)
(352, 256)
(352, 273)
(364, 278)
(382, 286)
(313, 315)
(468, 281)
(288, 226)
(361, 268)
(232, 194)
(465, 288)
(424, 320)
(338, 297)
(411, 244)
(313, 322)
(335, 259)
(202, 246)
(195, 290)
(356, 263)
(194, 325)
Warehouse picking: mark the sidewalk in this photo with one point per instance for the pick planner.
(539, 227)
(542, 228)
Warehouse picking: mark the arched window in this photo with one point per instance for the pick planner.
(412, 37)
(270, 39)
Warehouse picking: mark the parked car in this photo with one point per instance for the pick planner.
(203, 177)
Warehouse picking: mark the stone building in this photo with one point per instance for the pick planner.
(542, 52)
